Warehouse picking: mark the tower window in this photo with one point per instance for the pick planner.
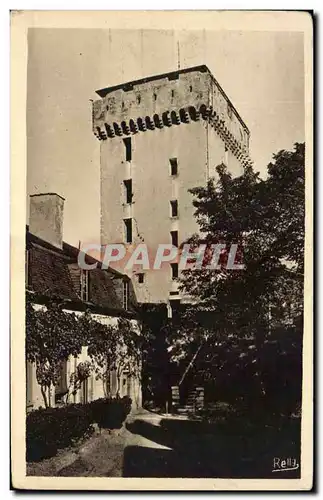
(174, 271)
(174, 208)
(128, 230)
(175, 305)
(155, 96)
(128, 190)
(173, 166)
(191, 88)
(127, 143)
(141, 277)
(126, 295)
(174, 236)
(173, 93)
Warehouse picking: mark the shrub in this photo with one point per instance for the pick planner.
(110, 413)
(49, 429)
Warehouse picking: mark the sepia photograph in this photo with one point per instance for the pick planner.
(162, 231)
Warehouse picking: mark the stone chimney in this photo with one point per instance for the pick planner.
(46, 217)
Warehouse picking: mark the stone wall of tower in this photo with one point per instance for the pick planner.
(181, 115)
(176, 98)
(153, 188)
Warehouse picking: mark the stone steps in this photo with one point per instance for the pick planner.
(185, 410)
(193, 402)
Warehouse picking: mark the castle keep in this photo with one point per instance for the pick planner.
(161, 136)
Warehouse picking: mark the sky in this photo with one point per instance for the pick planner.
(262, 73)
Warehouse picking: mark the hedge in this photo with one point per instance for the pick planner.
(110, 413)
(50, 429)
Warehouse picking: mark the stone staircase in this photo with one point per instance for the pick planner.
(194, 402)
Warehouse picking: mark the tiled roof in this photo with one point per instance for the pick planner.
(48, 273)
(103, 289)
(54, 272)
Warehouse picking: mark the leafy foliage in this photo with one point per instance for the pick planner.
(83, 372)
(156, 369)
(54, 335)
(237, 314)
(50, 429)
(115, 348)
(110, 413)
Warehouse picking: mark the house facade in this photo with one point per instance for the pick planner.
(159, 137)
(53, 272)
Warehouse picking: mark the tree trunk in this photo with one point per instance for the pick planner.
(118, 385)
(189, 366)
(259, 342)
(118, 373)
(106, 378)
(43, 392)
(105, 382)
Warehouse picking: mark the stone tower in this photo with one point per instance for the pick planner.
(161, 136)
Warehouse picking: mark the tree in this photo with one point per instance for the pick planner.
(130, 343)
(80, 375)
(116, 348)
(52, 336)
(156, 370)
(237, 313)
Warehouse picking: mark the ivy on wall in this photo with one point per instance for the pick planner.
(53, 335)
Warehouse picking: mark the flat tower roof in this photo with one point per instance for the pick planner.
(172, 75)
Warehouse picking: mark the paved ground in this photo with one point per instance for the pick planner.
(166, 446)
(170, 446)
(152, 445)
(133, 439)
(107, 455)
(145, 454)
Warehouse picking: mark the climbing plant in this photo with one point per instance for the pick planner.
(82, 373)
(53, 335)
(117, 348)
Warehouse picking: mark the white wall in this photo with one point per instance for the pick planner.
(95, 387)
